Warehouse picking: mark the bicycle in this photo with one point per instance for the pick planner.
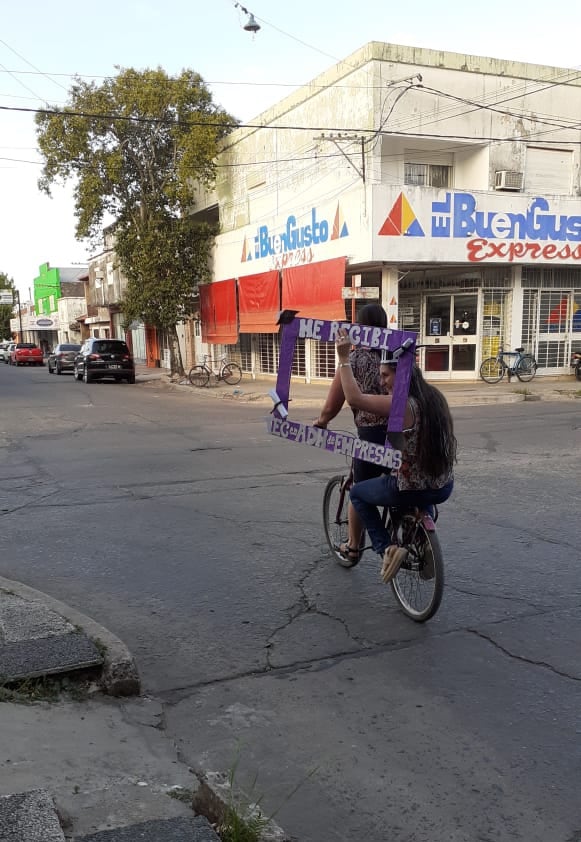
(229, 372)
(524, 366)
(418, 586)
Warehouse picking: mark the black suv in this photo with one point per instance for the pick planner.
(100, 358)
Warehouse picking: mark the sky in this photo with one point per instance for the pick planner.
(43, 45)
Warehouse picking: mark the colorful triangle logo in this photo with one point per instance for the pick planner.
(339, 225)
(246, 252)
(401, 221)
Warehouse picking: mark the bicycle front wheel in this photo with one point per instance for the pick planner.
(418, 585)
(199, 376)
(526, 368)
(491, 370)
(231, 374)
(336, 516)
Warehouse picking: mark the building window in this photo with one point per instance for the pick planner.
(427, 175)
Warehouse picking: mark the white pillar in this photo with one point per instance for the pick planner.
(514, 331)
(390, 295)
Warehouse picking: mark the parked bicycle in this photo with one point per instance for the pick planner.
(523, 365)
(418, 585)
(230, 373)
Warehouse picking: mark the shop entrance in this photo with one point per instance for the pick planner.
(449, 334)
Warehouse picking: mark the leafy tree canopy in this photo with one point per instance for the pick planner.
(137, 146)
(6, 310)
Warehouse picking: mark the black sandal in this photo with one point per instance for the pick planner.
(348, 557)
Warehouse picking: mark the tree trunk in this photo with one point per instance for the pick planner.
(176, 362)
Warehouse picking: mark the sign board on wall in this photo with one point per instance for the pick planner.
(307, 233)
(367, 293)
(422, 224)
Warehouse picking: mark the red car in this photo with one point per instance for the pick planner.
(26, 353)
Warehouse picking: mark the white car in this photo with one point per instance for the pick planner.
(5, 348)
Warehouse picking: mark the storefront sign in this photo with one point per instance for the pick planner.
(480, 227)
(292, 244)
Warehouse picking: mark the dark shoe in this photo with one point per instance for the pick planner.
(427, 570)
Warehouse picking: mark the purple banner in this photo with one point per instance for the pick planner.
(334, 442)
(383, 339)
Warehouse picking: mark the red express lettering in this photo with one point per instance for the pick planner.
(480, 249)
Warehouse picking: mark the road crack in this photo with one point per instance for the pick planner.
(522, 658)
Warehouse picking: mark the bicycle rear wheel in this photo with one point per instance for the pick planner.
(418, 585)
(336, 516)
(199, 376)
(526, 368)
(232, 374)
(491, 370)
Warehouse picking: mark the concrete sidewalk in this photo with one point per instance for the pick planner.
(84, 757)
(457, 392)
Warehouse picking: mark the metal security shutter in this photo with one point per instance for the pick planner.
(548, 171)
(495, 318)
(245, 351)
(323, 359)
(299, 359)
(410, 312)
(268, 353)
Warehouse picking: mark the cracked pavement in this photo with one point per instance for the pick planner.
(175, 521)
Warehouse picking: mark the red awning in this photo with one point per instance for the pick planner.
(315, 289)
(218, 312)
(259, 302)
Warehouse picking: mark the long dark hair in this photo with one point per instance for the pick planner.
(437, 445)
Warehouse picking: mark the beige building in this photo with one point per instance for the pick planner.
(446, 186)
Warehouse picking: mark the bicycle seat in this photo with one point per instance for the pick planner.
(519, 350)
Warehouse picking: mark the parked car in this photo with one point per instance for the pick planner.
(4, 351)
(7, 351)
(63, 358)
(26, 353)
(100, 358)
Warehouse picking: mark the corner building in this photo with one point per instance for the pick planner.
(445, 186)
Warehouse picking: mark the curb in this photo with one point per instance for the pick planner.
(119, 676)
(213, 798)
(263, 399)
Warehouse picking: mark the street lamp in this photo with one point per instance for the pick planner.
(251, 24)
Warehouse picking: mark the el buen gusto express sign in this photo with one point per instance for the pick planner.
(536, 233)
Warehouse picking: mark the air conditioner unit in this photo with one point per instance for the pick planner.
(508, 180)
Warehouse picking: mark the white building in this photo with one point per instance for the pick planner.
(448, 183)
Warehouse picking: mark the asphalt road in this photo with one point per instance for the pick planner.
(174, 520)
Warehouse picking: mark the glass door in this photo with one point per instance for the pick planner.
(450, 329)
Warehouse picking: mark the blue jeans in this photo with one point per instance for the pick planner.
(366, 496)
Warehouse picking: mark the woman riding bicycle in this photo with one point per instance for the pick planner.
(370, 426)
(426, 476)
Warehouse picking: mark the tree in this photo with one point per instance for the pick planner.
(6, 310)
(137, 146)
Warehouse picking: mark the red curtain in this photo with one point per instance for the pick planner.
(259, 302)
(315, 289)
(218, 311)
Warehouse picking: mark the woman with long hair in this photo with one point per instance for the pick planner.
(426, 475)
(370, 426)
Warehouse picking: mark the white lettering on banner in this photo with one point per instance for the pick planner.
(342, 443)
